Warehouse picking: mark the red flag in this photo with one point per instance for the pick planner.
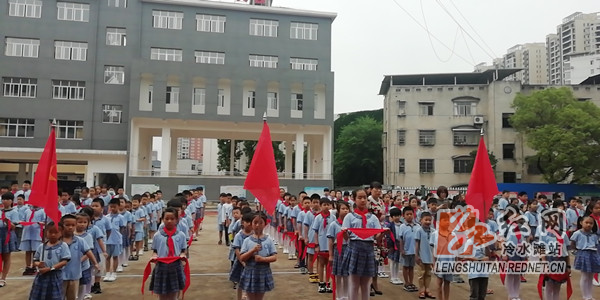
(482, 185)
(44, 192)
(262, 180)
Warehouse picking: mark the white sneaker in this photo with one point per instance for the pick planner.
(290, 257)
(149, 241)
(113, 277)
(286, 251)
(125, 265)
(87, 297)
(141, 252)
(119, 269)
(280, 247)
(107, 277)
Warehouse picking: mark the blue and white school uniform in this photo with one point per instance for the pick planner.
(572, 218)
(86, 202)
(321, 231)
(360, 254)
(168, 278)
(68, 208)
(11, 215)
(24, 193)
(154, 220)
(308, 220)
(78, 248)
(236, 268)
(48, 286)
(300, 222)
(126, 234)
(96, 234)
(587, 258)
(503, 203)
(86, 267)
(339, 266)
(114, 242)
(533, 221)
(549, 238)
(541, 207)
(31, 237)
(394, 253)
(235, 227)
(257, 277)
(510, 236)
(422, 237)
(220, 217)
(408, 233)
(138, 226)
(103, 224)
(442, 243)
(479, 253)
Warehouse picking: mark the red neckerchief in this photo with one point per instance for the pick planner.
(8, 225)
(576, 211)
(346, 199)
(286, 204)
(387, 209)
(305, 210)
(325, 214)
(363, 215)
(540, 285)
(340, 221)
(183, 214)
(543, 204)
(517, 231)
(170, 242)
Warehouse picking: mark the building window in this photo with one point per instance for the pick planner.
(510, 177)
(25, 8)
(117, 3)
(19, 87)
(465, 108)
(116, 36)
(69, 130)
(426, 109)
(150, 92)
(208, 57)
(401, 108)
(306, 64)
(263, 61)
(167, 19)
(251, 99)
(508, 151)
(166, 54)
(112, 113)
(172, 95)
(304, 31)
(426, 166)
(297, 101)
(114, 74)
(506, 120)
(22, 47)
(260, 27)
(462, 165)
(68, 11)
(199, 97)
(19, 128)
(70, 50)
(210, 23)
(272, 101)
(401, 137)
(221, 98)
(466, 137)
(68, 89)
(427, 137)
(401, 166)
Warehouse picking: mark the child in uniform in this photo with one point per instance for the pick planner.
(339, 268)
(424, 256)
(394, 249)
(126, 234)
(48, 281)
(406, 235)
(300, 233)
(309, 236)
(32, 237)
(587, 259)
(114, 242)
(8, 237)
(139, 217)
(319, 226)
(79, 248)
(81, 230)
(237, 266)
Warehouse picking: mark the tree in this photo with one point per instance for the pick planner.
(473, 155)
(223, 156)
(248, 148)
(564, 131)
(358, 157)
(347, 118)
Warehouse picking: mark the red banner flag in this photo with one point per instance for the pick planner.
(482, 185)
(44, 192)
(262, 180)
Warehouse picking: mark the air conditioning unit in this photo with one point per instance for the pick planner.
(478, 120)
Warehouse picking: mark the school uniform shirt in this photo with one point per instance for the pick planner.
(423, 236)
(479, 253)
(585, 241)
(78, 248)
(52, 254)
(33, 232)
(300, 221)
(353, 220)
(238, 240)
(24, 193)
(220, 214)
(541, 207)
(160, 244)
(407, 233)
(295, 211)
(128, 217)
(549, 238)
(572, 217)
(106, 198)
(187, 219)
(532, 219)
(10, 214)
(332, 231)
(138, 226)
(309, 219)
(268, 247)
(228, 208)
(493, 226)
(503, 203)
(96, 234)
(89, 239)
(235, 227)
(116, 222)
(148, 212)
(103, 224)
(321, 231)
(22, 211)
(181, 227)
(86, 202)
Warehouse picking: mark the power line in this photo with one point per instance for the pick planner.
(431, 42)
(472, 27)
(468, 48)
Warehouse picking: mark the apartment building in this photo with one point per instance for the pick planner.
(532, 59)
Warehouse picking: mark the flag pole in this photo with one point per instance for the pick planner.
(484, 212)
(52, 125)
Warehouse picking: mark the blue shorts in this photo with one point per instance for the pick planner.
(139, 236)
(29, 245)
(114, 250)
(220, 227)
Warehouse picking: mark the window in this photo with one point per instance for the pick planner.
(69, 130)
(306, 64)
(172, 95)
(116, 36)
(510, 177)
(208, 57)
(466, 137)
(210, 23)
(251, 99)
(297, 101)
(150, 92)
(401, 108)
(22, 47)
(532, 167)
(25, 8)
(506, 120)
(70, 50)
(465, 108)
(19, 87)
(401, 166)
(117, 3)
(463, 165)
(426, 109)
(426, 137)
(508, 151)
(112, 113)
(166, 54)
(68, 89)
(114, 74)
(263, 61)
(260, 27)
(401, 137)
(19, 128)
(426, 166)
(221, 98)
(68, 11)
(272, 100)
(199, 97)
(304, 31)
(167, 19)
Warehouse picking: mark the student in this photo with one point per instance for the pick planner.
(504, 200)
(514, 233)
(8, 237)
(123, 258)
(236, 223)
(572, 215)
(587, 260)
(441, 240)
(84, 231)
(22, 210)
(423, 254)
(309, 236)
(66, 206)
(227, 211)
(478, 282)
(114, 241)
(221, 216)
(32, 237)
(339, 268)
(153, 226)
(322, 243)
(393, 246)
(290, 214)
(542, 203)
(148, 212)
(98, 231)
(79, 248)
(306, 203)
(48, 281)
(139, 216)
(360, 256)
(26, 190)
(554, 238)
(532, 216)
(237, 266)
(168, 279)
(406, 236)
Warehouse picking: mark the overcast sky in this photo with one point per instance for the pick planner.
(373, 38)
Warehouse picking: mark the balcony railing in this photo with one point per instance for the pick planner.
(229, 174)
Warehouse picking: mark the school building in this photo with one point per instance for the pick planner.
(117, 74)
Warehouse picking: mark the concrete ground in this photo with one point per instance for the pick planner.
(209, 268)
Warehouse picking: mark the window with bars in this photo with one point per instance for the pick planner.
(401, 137)
(68, 89)
(114, 74)
(21, 47)
(112, 113)
(209, 57)
(462, 164)
(426, 166)
(401, 108)
(263, 61)
(199, 97)
(251, 99)
(19, 87)
(261, 27)
(69, 130)
(166, 54)
(426, 137)
(401, 166)
(167, 19)
(70, 50)
(297, 101)
(210, 23)
(465, 108)
(25, 8)
(69, 11)
(466, 137)
(272, 100)
(172, 95)
(16, 128)
(306, 64)
(116, 36)
(304, 31)
(221, 98)
(426, 109)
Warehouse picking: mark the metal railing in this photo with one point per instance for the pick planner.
(234, 174)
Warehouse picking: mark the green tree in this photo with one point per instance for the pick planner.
(564, 131)
(223, 156)
(347, 118)
(358, 157)
(492, 157)
(248, 148)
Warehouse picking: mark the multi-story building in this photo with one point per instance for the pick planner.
(532, 59)
(115, 74)
(432, 122)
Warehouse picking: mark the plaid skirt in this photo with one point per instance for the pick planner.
(340, 266)
(395, 256)
(257, 278)
(86, 276)
(236, 271)
(167, 278)
(47, 286)
(126, 239)
(361, 258)
(587, 261)
(12, 245)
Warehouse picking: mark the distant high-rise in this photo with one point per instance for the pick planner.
(530, 57)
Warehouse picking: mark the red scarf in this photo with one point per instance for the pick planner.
(516, 230)
(30, 222)
(8, 225)
(325, 215)
(168, 260)
(340, 221)
(362, 233)
(305, 210)
(363, 215)
(170, 242)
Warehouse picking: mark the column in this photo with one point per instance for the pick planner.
(30, 172)
(299, 156)
(134, 152)
(165, 157)
(289, 149)
(21, 176)
(327, 150)
(231, 157)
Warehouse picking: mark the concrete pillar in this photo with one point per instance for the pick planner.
(327, 150)
(231, 156)
(165, 158)
(134, 150)
(299, 156)
(21, 175)
(30, 172)
(289, 149)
